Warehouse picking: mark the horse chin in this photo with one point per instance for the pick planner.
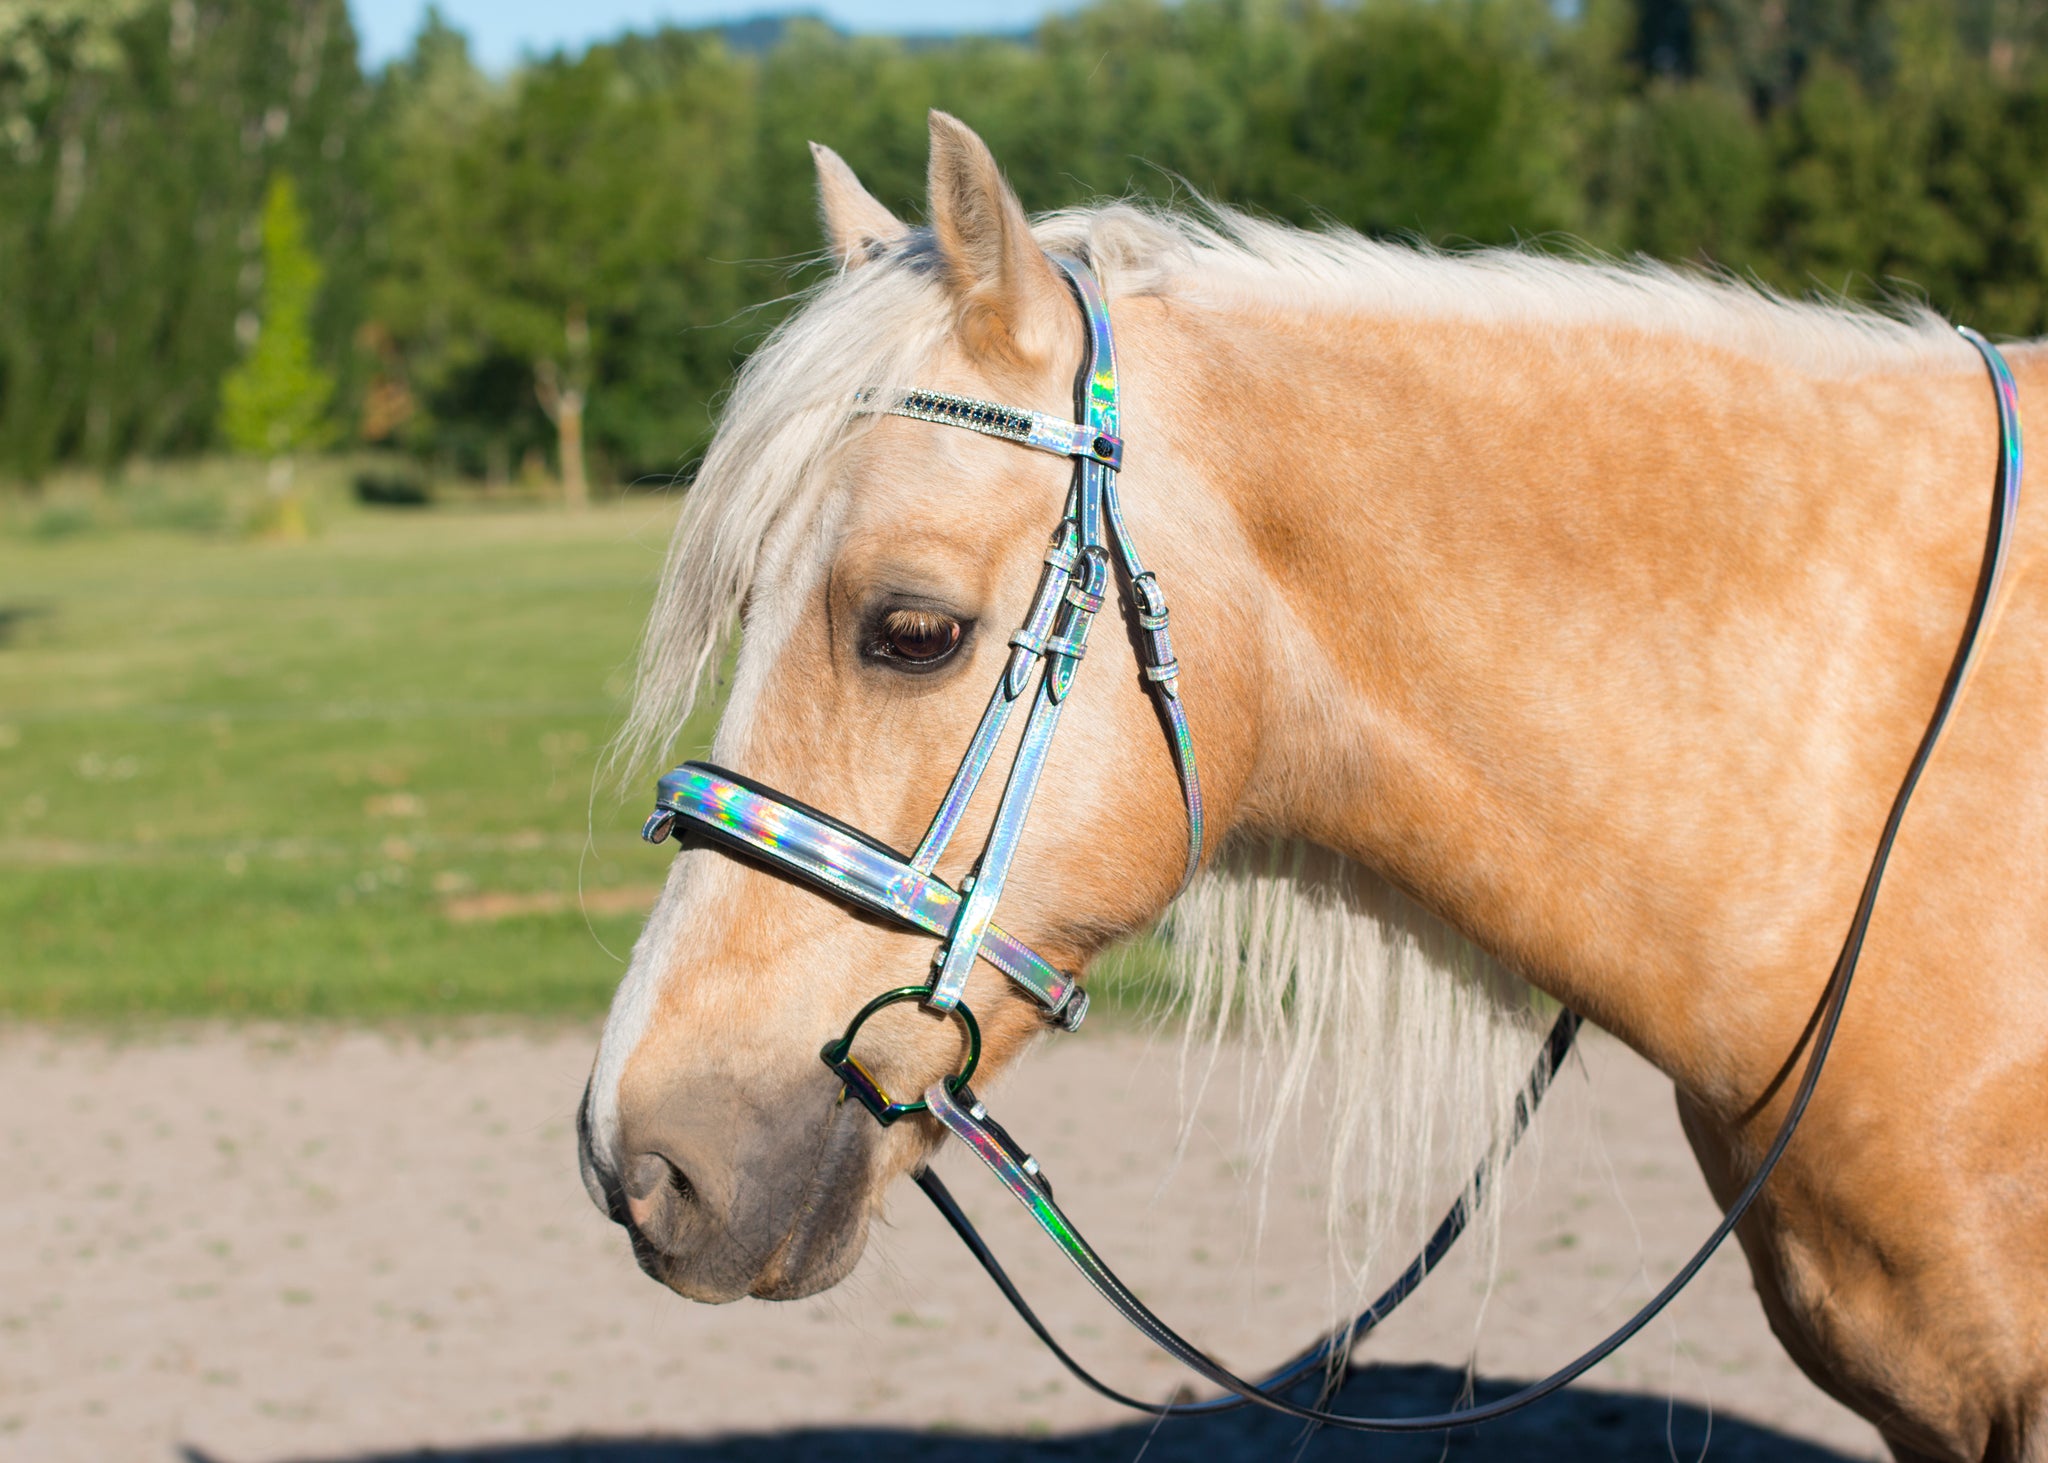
(815, 1258)
(819, 1262)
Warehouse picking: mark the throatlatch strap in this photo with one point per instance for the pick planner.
(1097, 522)
(1162, 671)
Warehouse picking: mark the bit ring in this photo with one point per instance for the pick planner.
(862, 1084)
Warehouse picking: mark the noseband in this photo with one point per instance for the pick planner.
(790, 838)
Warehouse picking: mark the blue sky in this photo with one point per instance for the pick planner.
(500, 31)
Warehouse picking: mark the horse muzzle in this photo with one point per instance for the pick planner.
(728, 1199)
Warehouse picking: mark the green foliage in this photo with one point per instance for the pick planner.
(137, 152)
(43, 41)
(1429, 119)
(1692, 175)
(600, 237)
(588, 196)
(275, 401)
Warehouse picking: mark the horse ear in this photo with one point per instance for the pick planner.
(854, 221)
(1014, 306)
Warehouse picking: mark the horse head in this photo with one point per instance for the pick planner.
(877, 566)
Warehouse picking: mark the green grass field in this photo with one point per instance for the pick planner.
(350, 776)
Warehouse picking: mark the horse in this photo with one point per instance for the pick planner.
(1546, 625)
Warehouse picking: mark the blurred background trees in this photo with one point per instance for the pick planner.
(140, 137)
(552, 273)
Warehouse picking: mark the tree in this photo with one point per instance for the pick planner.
(275, 402)
(1692, 175)
(1433, 119)
(137, 139)
(571, 259)
(558, 250)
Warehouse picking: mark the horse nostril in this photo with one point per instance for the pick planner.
(657, 1192)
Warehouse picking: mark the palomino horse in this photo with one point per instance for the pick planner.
(1595, 610)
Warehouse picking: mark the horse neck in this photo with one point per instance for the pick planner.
(1613, 644)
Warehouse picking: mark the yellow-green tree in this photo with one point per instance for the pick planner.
(275, 402)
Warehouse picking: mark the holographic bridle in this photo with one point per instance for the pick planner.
(758, 823)
(793, 839)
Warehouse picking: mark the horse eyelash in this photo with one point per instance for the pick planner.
(875, 639)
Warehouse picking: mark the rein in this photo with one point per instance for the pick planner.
(789, 838)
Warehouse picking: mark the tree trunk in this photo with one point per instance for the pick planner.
(569, 447)
(561, 397)
(287, 510)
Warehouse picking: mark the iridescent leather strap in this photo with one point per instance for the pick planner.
(1097, 521)
(783, 833)
(1064, 649)
(1027, 644)
(1162, 669)
(2011, 463)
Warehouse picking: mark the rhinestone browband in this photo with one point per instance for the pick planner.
(1031, 428)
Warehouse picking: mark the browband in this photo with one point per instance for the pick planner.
(1056, 435)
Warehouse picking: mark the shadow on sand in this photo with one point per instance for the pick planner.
(1581, 1426)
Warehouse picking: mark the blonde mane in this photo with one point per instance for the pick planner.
(874, 328)
(1412, 1041)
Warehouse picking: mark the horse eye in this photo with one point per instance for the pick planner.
(920, 637)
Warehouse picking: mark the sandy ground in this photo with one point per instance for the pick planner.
(261, 1245)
